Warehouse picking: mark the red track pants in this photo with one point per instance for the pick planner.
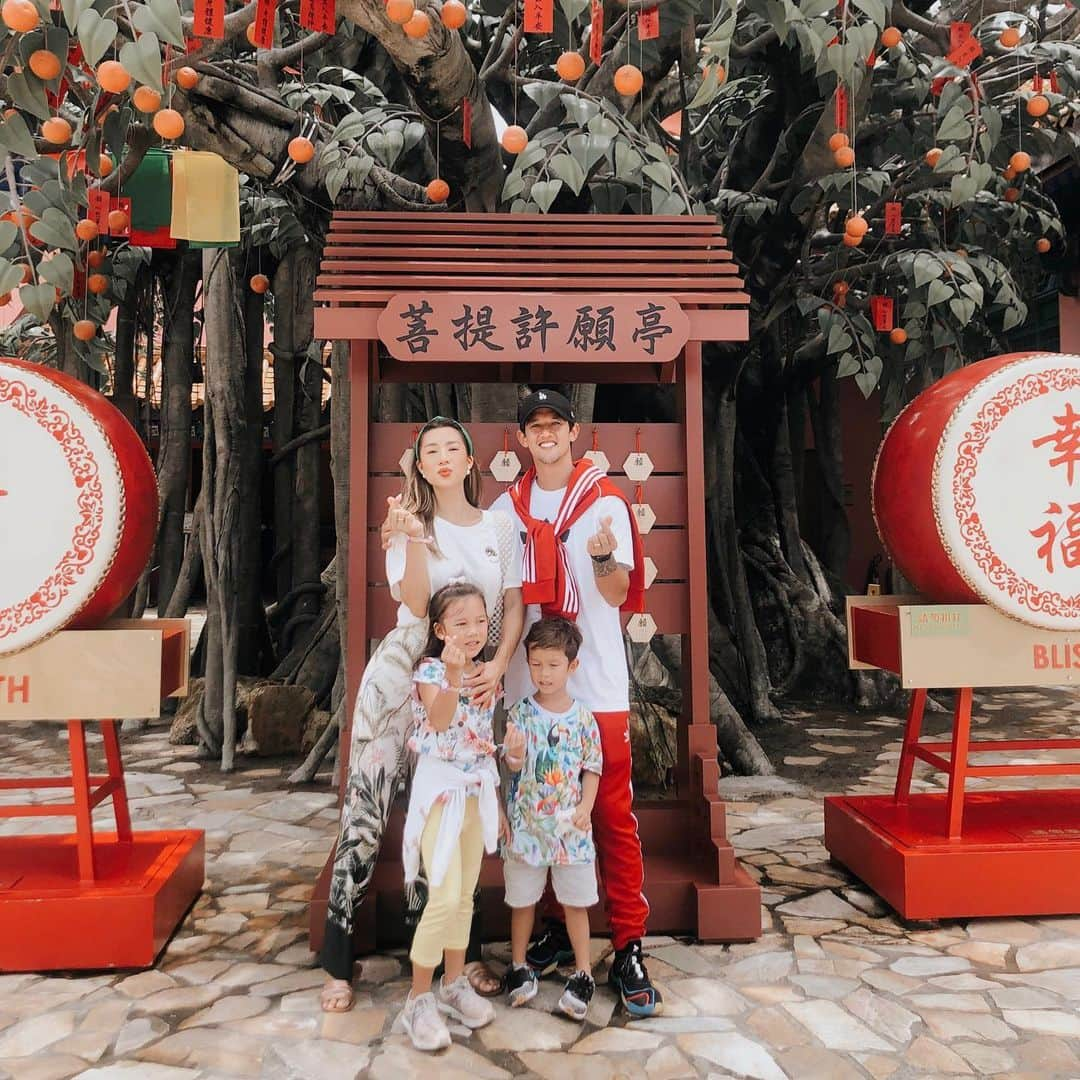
(615, 833)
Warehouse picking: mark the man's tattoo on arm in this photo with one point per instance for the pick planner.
(605, 567)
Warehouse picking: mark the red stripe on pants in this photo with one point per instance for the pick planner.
(615, 833)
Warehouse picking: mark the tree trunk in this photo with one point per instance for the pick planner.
(174, 452)
(123, 396)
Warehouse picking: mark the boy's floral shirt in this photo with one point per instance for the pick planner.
(469, 741)
(542, 798)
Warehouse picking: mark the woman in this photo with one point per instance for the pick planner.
(439, 534)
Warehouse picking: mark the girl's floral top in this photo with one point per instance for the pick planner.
(469, 741)
(542, 798)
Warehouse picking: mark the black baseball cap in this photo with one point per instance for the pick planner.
(545, 399)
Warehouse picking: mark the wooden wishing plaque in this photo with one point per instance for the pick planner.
(533, 327)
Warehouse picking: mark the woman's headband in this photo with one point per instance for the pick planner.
(443, 421)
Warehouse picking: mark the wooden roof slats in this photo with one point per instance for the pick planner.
(483, 241)
(378, 296)
(336, 256)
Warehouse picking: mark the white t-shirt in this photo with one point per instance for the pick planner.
(601, 682)
(469, 553)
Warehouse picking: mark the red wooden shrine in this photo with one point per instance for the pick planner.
(433, 298)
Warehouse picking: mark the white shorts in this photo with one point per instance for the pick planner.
(575, 885)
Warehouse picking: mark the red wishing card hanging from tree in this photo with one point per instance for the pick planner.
(963, 45)
(892, 219)
(97, 209)
(209, 21)
(466, 122)
(539, 16)
(648, 24)
(318, 15)
(596, 34)
(881, 312)
(841, 107)
(263, 35)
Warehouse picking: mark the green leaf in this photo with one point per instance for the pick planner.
(513, 186)
(10, 275)
(873, 9)
(116, 128)
(579, 110)
(9, 233)
(846, 365)
(528, 157)
(335, 181)
(627, 161)
(58, 271)
(963, 309)
(395, 144)
(573, 8)
(839, 338)
(567, 169)
(54, 228)
(667, 202)
(866, 381)
(73, 10)
(608, 197)
(709, 88)
(358, 168)
(95, 35)
(142, 58)
(603, 125)
(544, 193)
(15, 136)
(926, 268)
(955, 126)
(939, 293)
(541, 92)
(1014, 316)
(39, 300)
(28, 92)
(351, 127)
(161, 17)
(414, 133)
(660, 173)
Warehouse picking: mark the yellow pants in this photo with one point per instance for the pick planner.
(447, 917)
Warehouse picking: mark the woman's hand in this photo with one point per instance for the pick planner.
(400, 520)
(483, 684)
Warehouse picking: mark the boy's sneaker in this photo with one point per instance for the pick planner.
(521, 985)
(421, 1021)
(550, 949)
(631, 982)
(459, 1000)
(577, 995)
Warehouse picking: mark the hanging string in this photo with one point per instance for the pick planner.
(637, 441)
(506, 441)
(595, 439)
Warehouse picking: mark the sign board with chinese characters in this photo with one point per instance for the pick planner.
(939, 646)
(977, 489)
(533, 327)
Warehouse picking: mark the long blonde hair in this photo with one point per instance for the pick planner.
(418, 496)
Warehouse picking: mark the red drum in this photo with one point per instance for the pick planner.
(976, 488)
(78, 505)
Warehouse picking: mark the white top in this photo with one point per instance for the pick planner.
(601, 682)
(468, 553)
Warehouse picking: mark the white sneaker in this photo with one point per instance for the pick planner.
(459, 1000)
(422, 1023)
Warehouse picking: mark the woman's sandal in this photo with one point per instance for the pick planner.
(482, 979)
(337, 996)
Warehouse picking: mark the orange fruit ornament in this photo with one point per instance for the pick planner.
(113, 77)
(933, 156)
(838, 139)
(514, 139)
(400, 11)
(438, 191)
(1008, 173)
(19, 16)
(898, 335)
(844, 157)
(45, 65)
(1038, 105)
(87, 230)
(187, 78)
(419, 25)
(84, 329)
(841, 288)
(301, 149)
(95, 259)
(851, 241)
(56, 130)
(97, 284)
(453, 14)
(105, 166)
(629, 80)
(856, 225)
(891, 37)
(1042, 245)
(1010, 37)
(118, 221)
(5, 299)
(1020, 162)
(570, 66)
(1011, 194)
(259, 283)
(249, 33)
(146, 99)
(169, 124)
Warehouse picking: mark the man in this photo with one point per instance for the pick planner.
(582, 559)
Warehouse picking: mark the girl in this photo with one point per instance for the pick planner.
(436, 534)
(453, 813)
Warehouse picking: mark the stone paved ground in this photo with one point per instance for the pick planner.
(836, 987)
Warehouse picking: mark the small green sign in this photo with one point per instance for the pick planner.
(938, 621)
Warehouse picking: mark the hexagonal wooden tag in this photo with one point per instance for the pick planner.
(650, 571)
(644, 515)
(505, 466)
(641, 628)
(406, 460)
(638, 467)
(599, 459)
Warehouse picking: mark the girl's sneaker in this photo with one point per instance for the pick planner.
(521, 985)
(459, 1000)
(577, 995)
(422, 1023)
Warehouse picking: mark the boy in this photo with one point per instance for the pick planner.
(550, 802)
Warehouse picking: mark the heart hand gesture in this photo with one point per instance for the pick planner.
(603, 541)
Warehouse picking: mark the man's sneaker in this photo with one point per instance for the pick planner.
(550, 949)
(459, 1000)
(631, 982)
(421, 1021)
(577, 995)
(521, 985)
